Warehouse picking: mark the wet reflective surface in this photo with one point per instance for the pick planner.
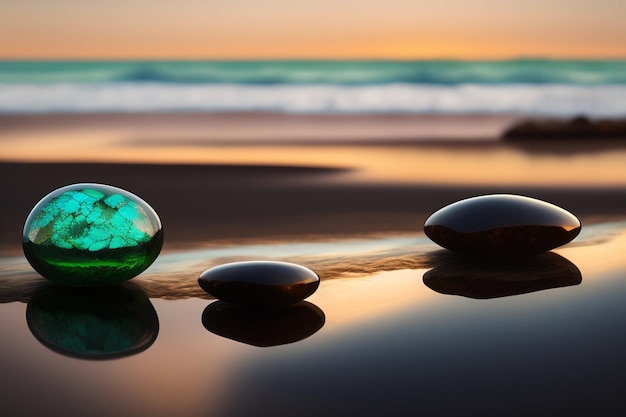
(263, 327)
(87, 323)
(501, 225)
(388, 344)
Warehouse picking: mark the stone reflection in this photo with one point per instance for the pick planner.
(93, 323)
(479, 278)
(263, 327)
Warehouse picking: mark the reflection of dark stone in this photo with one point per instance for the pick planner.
(263, 327)
(480, 278)
(501, 225)
(93, 323)
(260, 283)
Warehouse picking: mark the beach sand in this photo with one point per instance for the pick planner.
(403, 323)
(215, 181)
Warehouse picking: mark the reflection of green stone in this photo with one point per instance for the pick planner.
(91, 234)
(93, 323)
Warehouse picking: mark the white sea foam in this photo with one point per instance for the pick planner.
(532, 99)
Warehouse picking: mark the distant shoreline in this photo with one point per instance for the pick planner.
(260, 126)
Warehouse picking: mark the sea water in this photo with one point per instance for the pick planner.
(527, 87)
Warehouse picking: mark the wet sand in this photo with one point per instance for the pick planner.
(256, 127)
(216, 205)
(227, 179)
(403, 324)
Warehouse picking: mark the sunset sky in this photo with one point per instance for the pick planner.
(335, 29)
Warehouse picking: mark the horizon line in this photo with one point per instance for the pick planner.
(309, 59)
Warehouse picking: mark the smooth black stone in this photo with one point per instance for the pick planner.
(501, 225)
(93, 323)
(479, 278)
(263, 327)
(260, 283)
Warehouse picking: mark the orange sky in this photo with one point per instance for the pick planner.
(241, 29)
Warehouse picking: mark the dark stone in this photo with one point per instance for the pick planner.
(576, 128)
(93, 323)
(501, 225)
(260, 283)
(480, 278)
(263, 327)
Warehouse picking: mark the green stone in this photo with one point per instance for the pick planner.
(86, 235)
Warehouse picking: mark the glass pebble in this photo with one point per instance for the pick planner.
(91, 235)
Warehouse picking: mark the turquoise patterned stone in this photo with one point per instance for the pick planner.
(85, 235)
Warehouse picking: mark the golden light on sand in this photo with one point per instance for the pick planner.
(462, 163)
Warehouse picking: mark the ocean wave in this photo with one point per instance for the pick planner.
(532, 99)
(319, 72)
